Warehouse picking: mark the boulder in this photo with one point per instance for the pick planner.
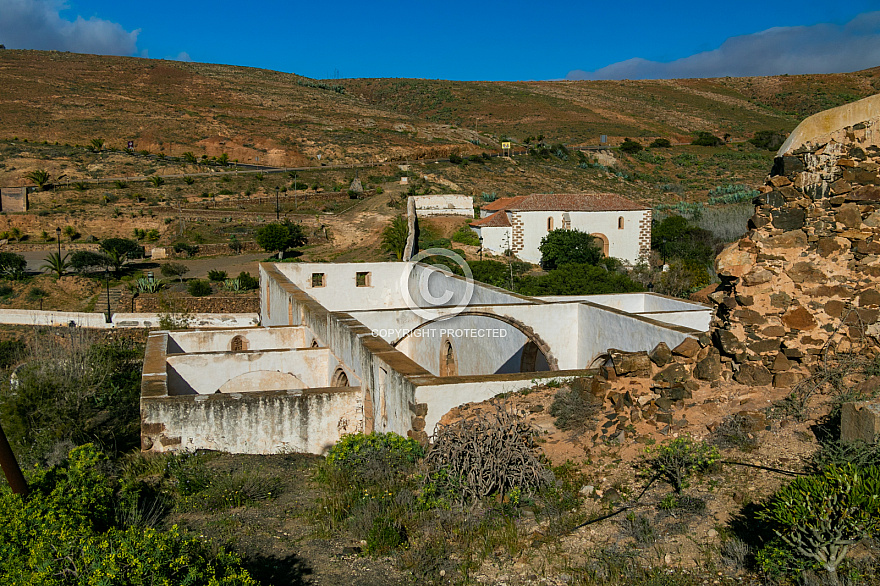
(765, 346)
(753, 421)
(674, 373)
(688, 348)
(709, 368)
(787, 379)
(780, 363)
(661, 355)
(630, 363)
(753, 374)
(749, 317)
(727, 342)
(733, 261)
(834, 308)
(828, 246)
(840, 187)
(860, 421)
(773, 331)
(865, 193)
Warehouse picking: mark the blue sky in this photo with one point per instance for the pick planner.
(514, 40)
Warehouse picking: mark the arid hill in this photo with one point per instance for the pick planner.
(286, 119)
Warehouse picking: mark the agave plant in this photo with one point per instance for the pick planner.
(144, 285)
(232, 284)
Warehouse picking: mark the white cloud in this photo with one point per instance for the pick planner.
(37, 24)
(183, 56)
(820, 48)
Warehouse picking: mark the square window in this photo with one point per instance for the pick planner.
(362, 279)
(317, 279)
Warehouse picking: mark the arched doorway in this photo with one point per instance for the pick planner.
(448, 366)
(529, 357)
(603, 242)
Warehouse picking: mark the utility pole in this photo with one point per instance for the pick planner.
(10, 466)
(277, 208)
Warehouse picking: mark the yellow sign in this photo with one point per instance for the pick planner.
(505, 145)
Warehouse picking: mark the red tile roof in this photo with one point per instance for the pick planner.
(503, 203)
(574, 202)
(496, 220)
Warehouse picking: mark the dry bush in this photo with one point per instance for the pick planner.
(483, 455)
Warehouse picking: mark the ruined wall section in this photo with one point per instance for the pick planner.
(805, 281)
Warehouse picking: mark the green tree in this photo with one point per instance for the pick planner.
(561, 247)
(190, 158)
(394, 236)
(157, 181)
(85, 261)
(174, 269)
(768, 139)
(40, 177)
(660, 143)
(56, 263)
(70, 232)
(223, 159)
(280, 237)
(577, 279)
(675, 237)
(119, 250)
(97, 144)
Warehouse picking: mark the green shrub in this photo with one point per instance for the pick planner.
(840, 453)
(630, 146)
(678, 459)
(821, 517)
(768, 139)
(465, 235)
(365, 456)
(660, 143)
(68, 528)
(247, 282)
(198, 288)
(455, 159)
(704, 138)
(174, 269)
(217, 275)
(6, 291)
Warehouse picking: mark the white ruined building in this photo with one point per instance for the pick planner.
(621, 227)
(379, 346)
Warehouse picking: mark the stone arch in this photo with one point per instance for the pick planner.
(340, 378)
(543, 347)
(604, 240)
(529, 359)
(448, 364)
(238, 344)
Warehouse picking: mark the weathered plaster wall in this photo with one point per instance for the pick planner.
(629, 333)
(254, 339)
(255, 423)
(206, 373)
(837, 125)
(32, 317)
(455, 391)
(198, 320)
(444, 205)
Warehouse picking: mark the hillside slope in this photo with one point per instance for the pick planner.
(285, 119)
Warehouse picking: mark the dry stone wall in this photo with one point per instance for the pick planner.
(805, 281)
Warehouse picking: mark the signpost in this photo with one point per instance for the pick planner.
(505, 149)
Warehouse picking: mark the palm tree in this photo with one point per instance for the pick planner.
(394, 236)
(97, 144)
(56, 263)
(190, 158)
(157, 181)
(39, 176)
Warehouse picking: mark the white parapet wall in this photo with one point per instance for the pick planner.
(193, 320)
(444, 205)
(29, 317)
